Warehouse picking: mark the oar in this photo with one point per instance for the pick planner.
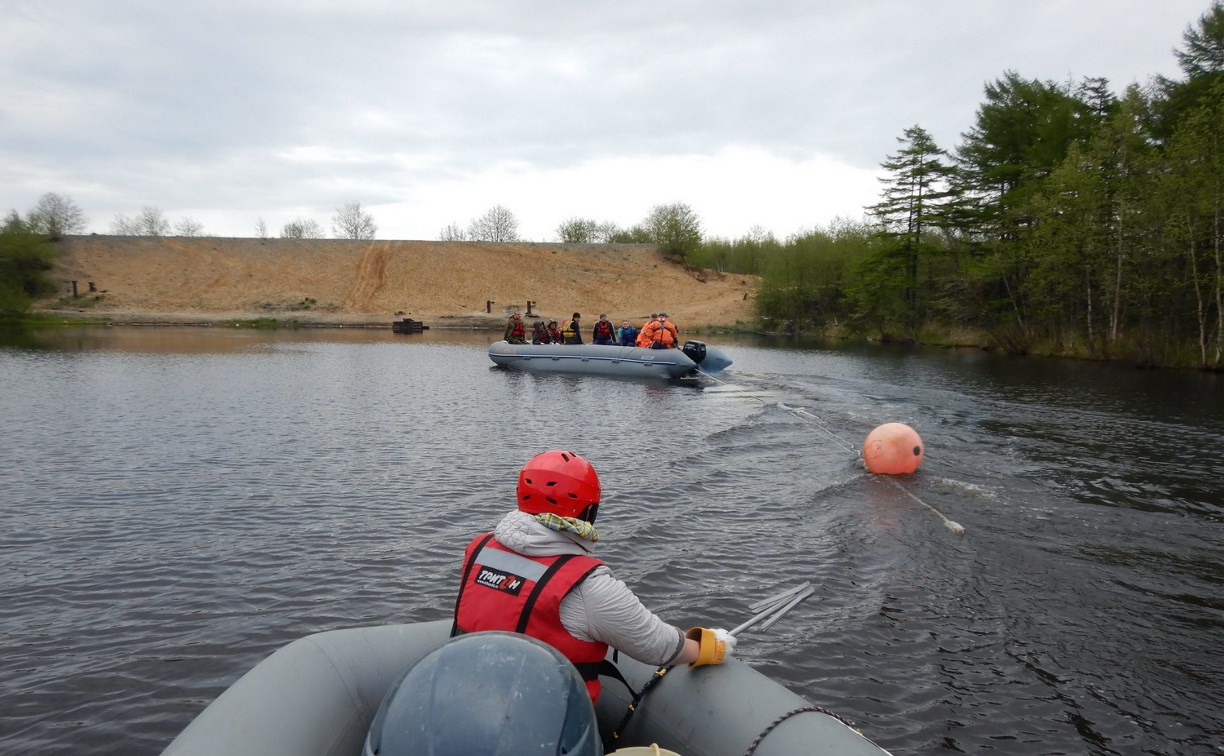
(779, 599)
(772, 609)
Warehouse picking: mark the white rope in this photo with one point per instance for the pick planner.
(955, 527)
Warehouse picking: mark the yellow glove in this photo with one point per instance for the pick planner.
(715, 645)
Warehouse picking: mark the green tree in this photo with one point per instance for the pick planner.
(13, 224)
(56, 215)
(1203, 54)
(1066, 248)
(25, 259)
(578, 231)
(809, 280)
(1201, 60)
(1195, 182)
(586, 231)
(1021, 135)
(637, 234)
(746, 254)
(1088, 246)
(675, 228)
(913, 202)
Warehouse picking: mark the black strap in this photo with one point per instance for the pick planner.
(467, 571)
(615, 734)
(608, 669)
(525, 615)
(604, 668)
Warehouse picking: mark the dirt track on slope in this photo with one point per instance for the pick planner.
(149, 279)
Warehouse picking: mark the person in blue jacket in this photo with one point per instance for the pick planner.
(626, 335)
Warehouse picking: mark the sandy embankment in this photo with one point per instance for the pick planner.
(168, 280)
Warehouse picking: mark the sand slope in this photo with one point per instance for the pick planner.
(150, 278)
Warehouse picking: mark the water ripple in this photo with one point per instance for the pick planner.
(199, 508)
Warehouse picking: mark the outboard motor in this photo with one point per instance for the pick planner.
(709, 359)
(492, 693)
(696, 350)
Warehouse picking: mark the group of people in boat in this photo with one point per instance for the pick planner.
(656, 333)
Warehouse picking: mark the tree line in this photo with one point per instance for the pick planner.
(1070, 220)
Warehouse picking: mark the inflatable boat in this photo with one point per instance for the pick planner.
(613, 361)
(319, 696)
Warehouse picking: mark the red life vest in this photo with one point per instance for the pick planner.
(504, 590)
(518, 328)
(603, 329)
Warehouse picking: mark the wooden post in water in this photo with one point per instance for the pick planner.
(489, 305)
(74, 290)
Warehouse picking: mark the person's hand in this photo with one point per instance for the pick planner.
(715, 645)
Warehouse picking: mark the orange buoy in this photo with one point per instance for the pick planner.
(892, 449)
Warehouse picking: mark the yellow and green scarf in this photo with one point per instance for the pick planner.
(580, 528)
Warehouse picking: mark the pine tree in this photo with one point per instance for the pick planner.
(914, 201)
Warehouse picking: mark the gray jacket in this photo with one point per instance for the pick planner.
(601, 608)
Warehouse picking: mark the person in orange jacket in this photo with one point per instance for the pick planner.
(662, 334)
(641, 340)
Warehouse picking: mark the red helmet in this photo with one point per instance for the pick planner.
(560, 482)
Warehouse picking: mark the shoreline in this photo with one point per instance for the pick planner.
(348, 283)
(253, 319)
(292, 320)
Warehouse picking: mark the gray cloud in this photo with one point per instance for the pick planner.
(273, 108)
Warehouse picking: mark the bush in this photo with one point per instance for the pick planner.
(24, 261)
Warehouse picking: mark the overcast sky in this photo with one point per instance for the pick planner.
(770, 113)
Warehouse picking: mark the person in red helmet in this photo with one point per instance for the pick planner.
(535, 574)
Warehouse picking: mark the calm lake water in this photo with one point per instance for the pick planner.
(178, 503)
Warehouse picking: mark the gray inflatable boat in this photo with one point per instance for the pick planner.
(613, 361)
(318, 696)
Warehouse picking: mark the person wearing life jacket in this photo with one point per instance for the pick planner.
(536, 574)
(554, 333)
(539, 335)
(626, 335)
(571, 330)
(642, 339)
(603, 332)
(516, 330)
(661, 334)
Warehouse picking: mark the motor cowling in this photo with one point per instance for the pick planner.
(695, 351)
(491, 692)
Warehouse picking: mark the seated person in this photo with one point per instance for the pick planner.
(603, 332)
(660, 334)
(626, 335)
(572, 330)
(516, 330)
